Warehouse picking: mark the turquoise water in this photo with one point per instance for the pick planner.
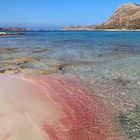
(76, 45)
(107, 62)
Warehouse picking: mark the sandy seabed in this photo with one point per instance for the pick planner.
(52, 107)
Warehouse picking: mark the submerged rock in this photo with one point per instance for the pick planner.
(3, 33)
(120, 81)
(8, 33)
(131, 123)
(2, 70)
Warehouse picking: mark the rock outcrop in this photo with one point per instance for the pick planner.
(126, 16)
(2, 33)
(11, 33)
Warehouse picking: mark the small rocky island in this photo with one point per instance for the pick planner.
(4, 31)
(126, 17)
(13, 29)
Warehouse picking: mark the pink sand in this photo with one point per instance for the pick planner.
(53, 107)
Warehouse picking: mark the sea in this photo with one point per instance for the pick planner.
(76, 45)
(108, 62)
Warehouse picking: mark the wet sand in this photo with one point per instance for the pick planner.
(53, 107)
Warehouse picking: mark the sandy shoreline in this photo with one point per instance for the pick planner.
(109, 30)
(52, 107)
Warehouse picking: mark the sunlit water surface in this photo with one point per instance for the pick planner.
(107, 62)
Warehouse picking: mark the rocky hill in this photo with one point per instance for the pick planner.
(126, 16)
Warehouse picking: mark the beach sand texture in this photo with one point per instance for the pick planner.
(52, 107)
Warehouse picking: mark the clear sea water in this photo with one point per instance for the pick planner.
(76, 45)
(107, 62)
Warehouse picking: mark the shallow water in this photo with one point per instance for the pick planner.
(108, 63)
(76, 45)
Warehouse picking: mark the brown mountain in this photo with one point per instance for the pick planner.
(126, 16)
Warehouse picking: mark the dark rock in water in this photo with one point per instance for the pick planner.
(5, 50)
(15, 33)
(2, 70)
(6, 33)
(39, 50)
(3, 33)
(20, 63)
(131, 123)
(121, 81)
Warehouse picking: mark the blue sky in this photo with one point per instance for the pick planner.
(51, 13)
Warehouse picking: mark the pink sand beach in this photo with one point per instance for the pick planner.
(52, 107)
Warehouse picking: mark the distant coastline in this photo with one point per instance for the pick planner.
(109, 30)
(13, 29)
(119, 21)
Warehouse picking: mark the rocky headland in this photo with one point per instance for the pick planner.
(126, 17)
